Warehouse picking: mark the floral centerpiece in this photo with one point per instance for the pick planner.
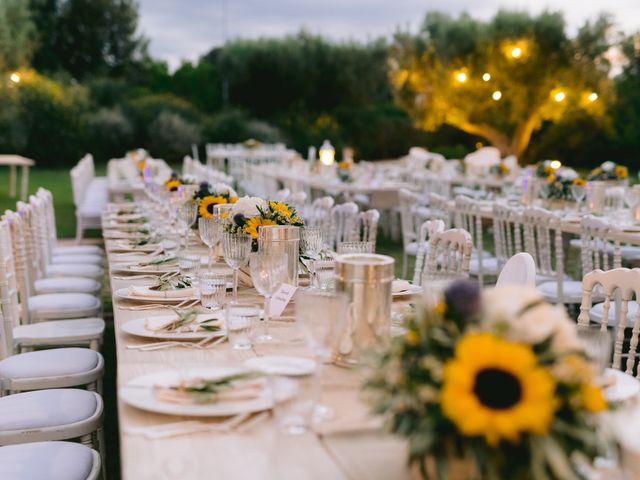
(343, 170)
(250, 213)
(497, 382)
(209, 195)
(609, 171)
(174, 182)
(557, 185)
(500, 169)
(544, 169)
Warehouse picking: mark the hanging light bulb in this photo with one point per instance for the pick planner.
(486, 77)
(497, 95)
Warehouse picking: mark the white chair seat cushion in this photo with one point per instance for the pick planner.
(46, 408)
(543, 278)
(75, 270)
(572, 291)
(93, 210)
(597, 311)
(59, 303)
(49, 363)
(489, 266)
(412, 248)
(67, 285)
(78, 250)
(59, 330)
(630, 252)
(89, 258)
(46, 460)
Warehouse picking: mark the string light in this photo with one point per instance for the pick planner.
(559, 96)
(15, 78)
(461, 77)
(555, 164)
(593, 96)
(497, 95)
(516, 52)
(486, 77)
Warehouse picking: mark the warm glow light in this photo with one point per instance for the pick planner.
(497, 95)
(327, 153)
(593, 96)
(516, 52)
(15, 78)
(479, 145)
(555, 164)
(559, 96)
(461, 77)
(486, 77)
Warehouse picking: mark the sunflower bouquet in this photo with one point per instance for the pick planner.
(209, 196)
(174, 182)
(557, 185)
(500, 169)
(497, 382)
(609, 171)
(343, 170)
(250, 213)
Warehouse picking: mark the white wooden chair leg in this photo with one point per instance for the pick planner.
(405, 265)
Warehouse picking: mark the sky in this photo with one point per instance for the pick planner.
(186, 29)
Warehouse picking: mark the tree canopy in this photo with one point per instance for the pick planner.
(501, 79)
(16, 34)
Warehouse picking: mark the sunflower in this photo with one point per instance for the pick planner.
(592, 398)
(581, 182)
(551, 179)
(621, 171)
(502, 168)
(141, 164)
(233, 199)
(280, 208)
(548, 169)
(344, 164)
(172, 185)
(496, 389)
(207, 203)
(251, 227)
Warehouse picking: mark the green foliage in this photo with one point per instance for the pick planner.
(16, 34)
(109, 133)
(170, 136)
(87, 37)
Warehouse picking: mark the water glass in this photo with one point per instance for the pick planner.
(241, 319)
(187, 214)
(189, 265)
(268, 272)
(213, 288)
(293, 402)
(356, 247)
(210, 232)
(236, 248)
(325, 274)
(222, 211)
(311, 246)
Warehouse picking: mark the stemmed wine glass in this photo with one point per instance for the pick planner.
(578, 192)
(322, 316)
(311, 246)
(268, 272)
(187, 214)
(236, 248)
(210, 232)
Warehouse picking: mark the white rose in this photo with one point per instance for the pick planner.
(223, 189)
(189, 179)
(248, 206)
(506, 302)
(608, 166)
(567, 174)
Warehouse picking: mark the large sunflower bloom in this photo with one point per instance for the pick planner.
(251, 227)
(496, 389)
(621, 171)
(173, 185)
(207, 204)
(280, 208)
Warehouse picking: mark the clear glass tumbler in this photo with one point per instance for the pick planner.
(213, 288)
(241, 319)
(356, 247)
(189, 265)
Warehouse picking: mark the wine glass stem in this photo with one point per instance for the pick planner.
(211, 259)
(235, 285)
(265, 329)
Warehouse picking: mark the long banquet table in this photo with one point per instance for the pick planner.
(350, 446)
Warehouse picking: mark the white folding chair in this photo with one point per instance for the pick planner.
(409, 221)
(507, 233)
(519, 270)
(427, 229)
(344, 223)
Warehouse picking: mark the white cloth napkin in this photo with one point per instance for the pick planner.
(148, 293)
(237, 392)
(398, 286)
(155, 324)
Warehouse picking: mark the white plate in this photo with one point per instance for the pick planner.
(138, 270)
(624, 388)
(282, 365)
(136, 327)
(124, 227)
(120, 235)
(139, 393)
(124, 294)
(166, 244)
(408, 289)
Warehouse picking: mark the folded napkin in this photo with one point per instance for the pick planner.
(206, 324)
(154, 268)
(148, 293)
(202, 390)
(398, 286)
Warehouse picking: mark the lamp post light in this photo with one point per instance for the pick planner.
(327, 153)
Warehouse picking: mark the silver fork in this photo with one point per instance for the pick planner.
(185, 428)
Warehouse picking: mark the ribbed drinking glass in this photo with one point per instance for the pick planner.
(236, 248)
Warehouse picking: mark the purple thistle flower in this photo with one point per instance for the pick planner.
(462, 298)
(239, 219)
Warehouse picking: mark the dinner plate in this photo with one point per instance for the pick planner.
(404, 288)
(282, 365)
(166, 244)
(111, 217)
(138, 270)
(624, 388)
(136, 327)
(123, 293)
(120, 235)
(124, 227)
(139, 394)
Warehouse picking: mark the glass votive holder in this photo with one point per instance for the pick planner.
(294, 399)
(189, 265)
(213, 288)
(241, 319)
(356, 247)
